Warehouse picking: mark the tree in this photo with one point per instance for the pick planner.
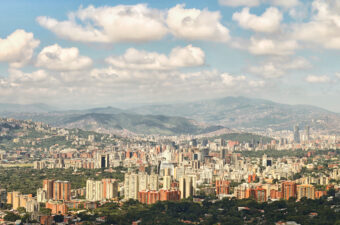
(10, 216)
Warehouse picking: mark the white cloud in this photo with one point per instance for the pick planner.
(285, 3)
(337, 75)
(268, 22)
(236, 3)
(272, 47)
(279, 67)
(324, 27)
(195, 24)
(122, 23)
(252, 3)
(179, 57)
(137, 23)
(19, 78)
(318, 79)
(18, 48)
(230, 80)
(57, 58)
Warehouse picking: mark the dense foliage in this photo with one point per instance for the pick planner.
(27, 180)
(226, 211)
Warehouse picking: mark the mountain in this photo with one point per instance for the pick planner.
(249, 113)
(107, 122)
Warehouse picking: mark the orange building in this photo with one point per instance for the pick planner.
(275, 194)
(319, 194)
(288, 189)
(57, 208)
(222, 187)
(48, 187)
(151, 197)
(61, 190)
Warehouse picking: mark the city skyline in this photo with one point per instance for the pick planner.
(91, 53)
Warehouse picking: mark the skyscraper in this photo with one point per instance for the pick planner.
(187, 185)
(48, 187)
(307, 133)
(305, 190)
(61, 190)
(296, 134)
(288, 189)
(94, 190)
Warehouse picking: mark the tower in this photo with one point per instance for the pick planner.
(296, 134)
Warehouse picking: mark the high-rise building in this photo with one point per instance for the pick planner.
(110, 188)
(288, 189)
(41, 195)
(307, 133)
(222, 187)
(166, 182)
(187, 185)
(154, 183)
(94, 190)
(48, 187)
(101, 190)
(305, 190)
(296, 134)
(131, 185)
(143, 181)
(61, 190)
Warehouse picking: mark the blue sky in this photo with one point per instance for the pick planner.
(120, 53)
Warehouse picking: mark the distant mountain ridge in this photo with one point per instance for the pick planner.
(241, 112)
(121, 122)
(184, 118)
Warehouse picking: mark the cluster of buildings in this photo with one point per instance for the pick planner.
(173, 168)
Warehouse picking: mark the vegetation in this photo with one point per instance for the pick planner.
(27, 180)
(226, 211)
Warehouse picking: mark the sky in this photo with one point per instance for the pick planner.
(81, 54)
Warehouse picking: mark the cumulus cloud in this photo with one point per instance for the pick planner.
(318, 79)
(252, 3)
(278, 67)
(137, 23)
(18, 48)
(57, 58)
(324, 27)
(111, 84)
(337, 75)
(272, 47)
(122, 23)
(268, 22)
(233, 3)
(195, 24)
(285, 3)
(179, 57)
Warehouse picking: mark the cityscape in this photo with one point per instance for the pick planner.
(192, 112)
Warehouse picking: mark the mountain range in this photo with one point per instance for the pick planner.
(198, 117)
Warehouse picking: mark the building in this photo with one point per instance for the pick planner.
(110, 188)
(61, 190)
(296, 134)
(151, 197)
(167, 182)
(131, 186)
(48, 187)
(288, 189)
(153, 182)
(187, 186)
(41, 195)
(94, 190)
(305, 190)
(222, 187)
(57, 207)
